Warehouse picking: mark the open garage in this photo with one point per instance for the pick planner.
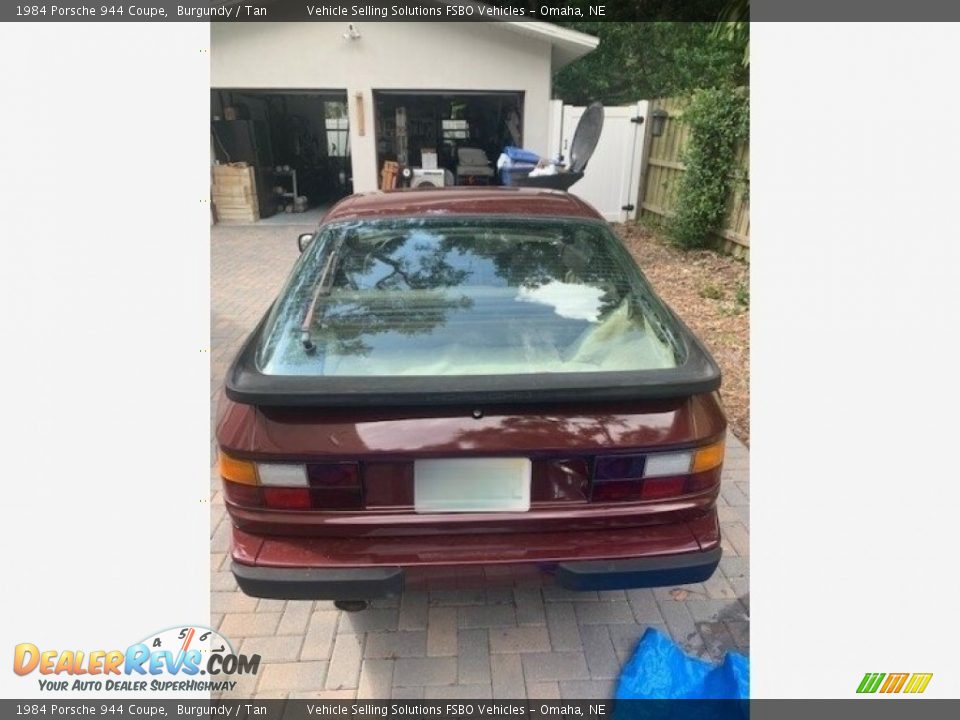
(348, 107)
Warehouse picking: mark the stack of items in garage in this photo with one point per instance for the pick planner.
(235, 193)
(388, 175)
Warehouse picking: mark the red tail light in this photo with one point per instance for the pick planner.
(700, 481)
(656, 476)
(618, 491)
(283, 498)
(333, 475)
(618, 467)
(244, 495)
(335, 486)
(660, 488)
(291, 486)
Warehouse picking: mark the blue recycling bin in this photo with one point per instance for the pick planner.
(513, 175)
(521, 156)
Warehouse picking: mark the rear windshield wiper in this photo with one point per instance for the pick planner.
(324, 286)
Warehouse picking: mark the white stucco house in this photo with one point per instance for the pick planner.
(338, 100)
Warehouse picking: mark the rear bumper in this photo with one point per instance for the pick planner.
(318, 583)
(639, 573)
(364, 568)
(369, 583)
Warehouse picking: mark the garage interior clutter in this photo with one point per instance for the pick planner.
(288, 151)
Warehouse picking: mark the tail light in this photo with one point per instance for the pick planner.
(628, 477)
(291, 486)
(656, 476)
(283, 498)
(334, 486)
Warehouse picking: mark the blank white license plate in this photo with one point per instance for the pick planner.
(471, 485)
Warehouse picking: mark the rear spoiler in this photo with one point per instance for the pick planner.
(245, 384)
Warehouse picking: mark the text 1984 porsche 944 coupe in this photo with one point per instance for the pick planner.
(467, 381)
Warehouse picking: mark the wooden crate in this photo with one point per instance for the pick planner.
(238, 196)
(234, 193)
(236, 216)
(240, 171)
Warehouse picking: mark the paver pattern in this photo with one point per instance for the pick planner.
(544, 643)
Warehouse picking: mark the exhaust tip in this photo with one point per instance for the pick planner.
(350, 605)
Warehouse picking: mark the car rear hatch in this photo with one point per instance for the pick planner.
(339, 472)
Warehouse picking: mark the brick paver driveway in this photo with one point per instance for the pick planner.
(535, 643)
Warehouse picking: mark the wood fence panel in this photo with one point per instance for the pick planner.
(665, 168)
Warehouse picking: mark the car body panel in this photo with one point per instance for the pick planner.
(461, 201)
(313, 433)
(563, 526)
(469, 549)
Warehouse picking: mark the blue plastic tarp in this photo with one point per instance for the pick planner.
(659, 670)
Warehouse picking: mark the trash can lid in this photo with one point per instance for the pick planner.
(585, 137)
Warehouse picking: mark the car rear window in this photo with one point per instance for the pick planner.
(466, 296)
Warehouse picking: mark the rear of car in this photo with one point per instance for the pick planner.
(469, 385)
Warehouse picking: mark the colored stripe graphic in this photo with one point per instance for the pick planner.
(870, 682)
(894, 682)
(918, 682)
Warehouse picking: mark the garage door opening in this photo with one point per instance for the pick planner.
(444, 138)
(296, 141)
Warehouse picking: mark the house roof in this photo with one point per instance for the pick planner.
(567, 45)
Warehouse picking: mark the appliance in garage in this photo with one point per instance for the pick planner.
(423, 177)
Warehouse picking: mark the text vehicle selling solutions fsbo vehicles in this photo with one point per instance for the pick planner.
(469, 383)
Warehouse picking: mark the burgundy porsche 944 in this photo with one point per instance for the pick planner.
(464, 383)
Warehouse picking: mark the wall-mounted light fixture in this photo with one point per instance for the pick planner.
(352, 33)
(658, 120)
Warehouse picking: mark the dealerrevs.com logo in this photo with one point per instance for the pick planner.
(179, 659)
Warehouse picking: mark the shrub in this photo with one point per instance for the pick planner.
(711, 292)
(743, 295)
(718, 120)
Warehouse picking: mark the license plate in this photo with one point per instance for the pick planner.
(471, 485)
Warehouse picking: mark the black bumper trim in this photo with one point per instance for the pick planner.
(318, 583)
(375, 582)
(639, 572)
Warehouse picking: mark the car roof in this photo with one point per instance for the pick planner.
(461, 201)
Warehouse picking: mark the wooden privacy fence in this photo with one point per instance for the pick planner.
(664, 168)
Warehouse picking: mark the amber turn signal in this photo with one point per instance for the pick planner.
(707, 458)
(238, 471)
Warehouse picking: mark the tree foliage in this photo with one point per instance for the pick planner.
(640, 60)
(734, 24)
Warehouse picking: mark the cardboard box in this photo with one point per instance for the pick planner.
(428, 159)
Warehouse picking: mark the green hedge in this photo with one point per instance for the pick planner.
(719, 120)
